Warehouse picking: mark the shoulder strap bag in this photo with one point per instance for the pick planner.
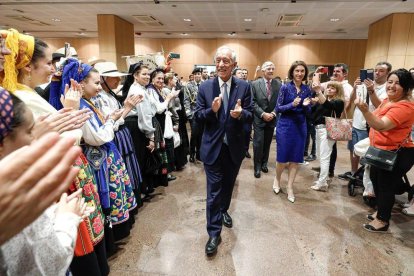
(339, 129)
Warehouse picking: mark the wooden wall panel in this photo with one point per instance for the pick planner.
(250, 52)
(410, 44)
(409, 62)
(85, 47)
(391, 39)
(379, 38)
(306, 50)
(399, 34)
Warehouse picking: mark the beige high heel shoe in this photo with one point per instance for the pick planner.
(276, 189)
(290, 196)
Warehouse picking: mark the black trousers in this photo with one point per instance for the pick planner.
(197, 129)
(387, 184)
(332, 161)
(310, 135)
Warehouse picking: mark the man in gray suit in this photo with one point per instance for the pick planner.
(265, 92)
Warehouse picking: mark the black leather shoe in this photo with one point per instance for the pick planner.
(310, 158)
(265, 169)
(371, 228)
(192, 159)
(171, 177)
(248, 155)
(227, 221)
(257, 173)
(331, 174)
(212, 245)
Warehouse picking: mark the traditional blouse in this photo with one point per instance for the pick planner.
(143, 110)
(96, 135)
(45, 247)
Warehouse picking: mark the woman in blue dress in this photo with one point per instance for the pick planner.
(293, 103)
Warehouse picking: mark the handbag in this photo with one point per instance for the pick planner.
(383, 159)
(152, 162)
(168, 127)
(177, 140)
(339, 129)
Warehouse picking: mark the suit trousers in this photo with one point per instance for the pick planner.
(248, 132)
(220, 182)
(262, 138)
(197, 129)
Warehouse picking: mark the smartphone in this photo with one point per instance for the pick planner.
(67, 49)
(316, 78)
(324, 70)
(361, 92)
(174, 55)
(366, 74)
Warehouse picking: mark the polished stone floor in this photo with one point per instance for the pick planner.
(320, 234)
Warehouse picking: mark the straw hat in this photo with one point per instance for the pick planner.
(108, 69)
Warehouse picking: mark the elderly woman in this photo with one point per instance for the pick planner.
(390, 130)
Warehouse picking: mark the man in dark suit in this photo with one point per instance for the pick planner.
(265, 92)
(224, 104)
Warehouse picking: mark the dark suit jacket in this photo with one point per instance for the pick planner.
(261, 103)
(218, 124)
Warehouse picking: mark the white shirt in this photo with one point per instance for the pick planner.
(143, 110)
(221, 82)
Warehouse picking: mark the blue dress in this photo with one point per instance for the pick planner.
(291, 126)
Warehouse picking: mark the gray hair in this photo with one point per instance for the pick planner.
(226, 49)
(267, 64)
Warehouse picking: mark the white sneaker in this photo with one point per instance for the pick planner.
(304, 163)
(321, 188)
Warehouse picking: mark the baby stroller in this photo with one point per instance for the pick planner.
(356, 181)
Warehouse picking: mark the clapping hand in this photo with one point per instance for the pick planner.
(116, 114)
(215, 106)
(132, 101)
(296, 101)
(236, 112)
(306, 102)
(72, 95)
(64, 120)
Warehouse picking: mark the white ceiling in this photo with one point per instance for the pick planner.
(209, 18)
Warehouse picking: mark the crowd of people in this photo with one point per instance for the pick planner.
(89, 149)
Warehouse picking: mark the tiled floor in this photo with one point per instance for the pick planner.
(320, 234)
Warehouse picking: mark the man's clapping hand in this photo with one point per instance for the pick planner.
(215, 106)
(236, 112)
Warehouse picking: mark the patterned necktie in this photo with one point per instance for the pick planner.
(269, 90)
(225, 98)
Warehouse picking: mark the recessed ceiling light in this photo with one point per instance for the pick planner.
(334, 19)
(56, 19)
(248, 19)
(81, 33)
(232, 34)
(184, 34)
(187, 19)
